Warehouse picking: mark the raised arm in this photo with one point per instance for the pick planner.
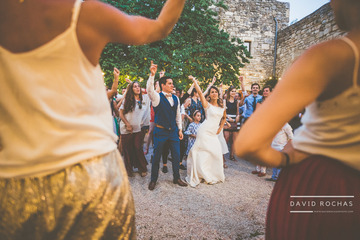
(198, 89)
(157, 87)
(210, 84)
(241, 79)
(221, 91)
(115, 84)
(118, 105)
(190, 89)
(153, 95)
(100, 24)
(128, 80)
(117, 26)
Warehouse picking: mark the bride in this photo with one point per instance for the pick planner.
(205, 160)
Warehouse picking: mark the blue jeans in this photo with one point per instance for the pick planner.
(275, 173)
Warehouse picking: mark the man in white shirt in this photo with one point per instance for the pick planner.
(281, 139)
(167, 125)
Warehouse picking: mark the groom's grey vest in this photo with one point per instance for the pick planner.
(165, 114)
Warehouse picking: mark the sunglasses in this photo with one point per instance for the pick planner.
(139, 104)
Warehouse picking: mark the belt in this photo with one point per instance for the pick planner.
(159, 126)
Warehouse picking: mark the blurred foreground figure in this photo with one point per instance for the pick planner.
(61, 176)
(322, 165)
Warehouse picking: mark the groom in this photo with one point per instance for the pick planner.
(167, 125)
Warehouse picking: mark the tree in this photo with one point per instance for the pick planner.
(195, 47)
(271, 82)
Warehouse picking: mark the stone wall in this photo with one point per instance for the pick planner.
(295, 39)
(253, 21)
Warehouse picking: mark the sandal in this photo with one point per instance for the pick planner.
(225, 166)
(232, 158)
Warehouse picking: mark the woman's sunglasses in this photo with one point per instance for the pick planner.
(139, 104)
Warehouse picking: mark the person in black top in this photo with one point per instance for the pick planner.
(233, 117)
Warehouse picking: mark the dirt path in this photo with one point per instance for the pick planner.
(235, 209)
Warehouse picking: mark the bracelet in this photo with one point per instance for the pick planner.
(287, 159)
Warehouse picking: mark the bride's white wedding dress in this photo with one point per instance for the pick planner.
(205, 160)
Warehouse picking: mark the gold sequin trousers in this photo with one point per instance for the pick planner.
(89, 200)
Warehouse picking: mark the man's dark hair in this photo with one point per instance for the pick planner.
(163, 81)
(254, 85)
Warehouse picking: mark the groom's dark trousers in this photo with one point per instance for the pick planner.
(161, 136)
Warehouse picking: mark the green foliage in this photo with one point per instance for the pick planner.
(195, 47)
(271, 81)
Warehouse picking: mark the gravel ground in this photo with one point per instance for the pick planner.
(235, 209)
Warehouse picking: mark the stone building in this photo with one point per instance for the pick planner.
(254, 22)
(295, 39)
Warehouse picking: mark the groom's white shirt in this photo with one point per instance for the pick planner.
(155, 99)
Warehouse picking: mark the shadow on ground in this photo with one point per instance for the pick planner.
(235, 209)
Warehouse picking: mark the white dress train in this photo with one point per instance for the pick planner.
(224, 147)
(205, 160)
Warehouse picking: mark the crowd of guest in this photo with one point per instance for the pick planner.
(62, 150)
(134, 115)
